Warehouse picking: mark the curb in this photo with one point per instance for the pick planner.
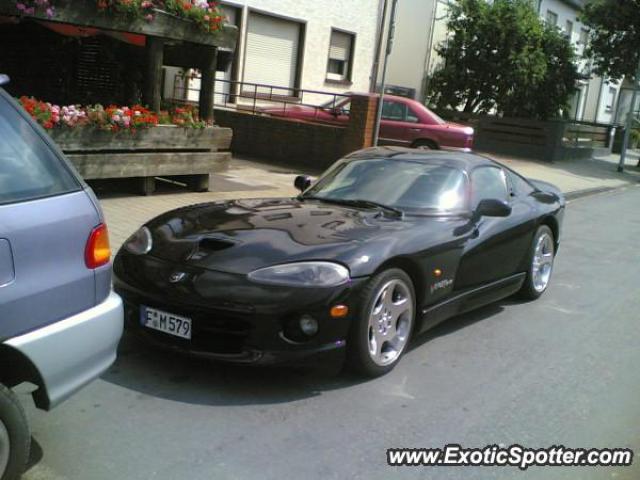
(576, 194)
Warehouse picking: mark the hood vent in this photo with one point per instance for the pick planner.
(212, 244)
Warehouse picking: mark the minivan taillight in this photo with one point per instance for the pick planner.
(98, 252)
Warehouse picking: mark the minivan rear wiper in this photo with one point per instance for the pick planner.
(357, 203)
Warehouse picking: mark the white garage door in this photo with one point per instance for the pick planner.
(272, 51)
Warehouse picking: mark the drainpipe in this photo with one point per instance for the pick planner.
(427, 75)
(376, 58)
(392, 27)
(630, 119)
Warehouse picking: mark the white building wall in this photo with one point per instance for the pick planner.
(359, 17)
(407, 62)
(601, 94)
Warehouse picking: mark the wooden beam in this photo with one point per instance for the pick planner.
(190, 55)
(207, 85)
(153, 77)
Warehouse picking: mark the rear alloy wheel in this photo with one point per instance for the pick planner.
(382, 331)
(540, 264)
(15, 438)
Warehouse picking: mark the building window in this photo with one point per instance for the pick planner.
(340, 56)
(552, 18)
(568, 28)
(611, 100)
(584, 36)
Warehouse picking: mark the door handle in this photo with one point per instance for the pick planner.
(415, 129)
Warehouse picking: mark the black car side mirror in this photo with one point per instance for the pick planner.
(302, 182)
(492, 207)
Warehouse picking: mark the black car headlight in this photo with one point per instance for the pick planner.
(302, 274)
(140, 243)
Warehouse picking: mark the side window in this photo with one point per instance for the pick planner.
(394, 111)
(28, 168)
(488, 182)
(411, 116)
(520, 186)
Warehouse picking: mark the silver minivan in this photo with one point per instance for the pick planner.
(60, 322)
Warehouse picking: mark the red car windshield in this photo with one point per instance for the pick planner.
(338, 102)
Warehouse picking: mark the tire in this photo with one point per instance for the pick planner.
(15, 437)
(537, 282)
(425, 144)
(374, 352)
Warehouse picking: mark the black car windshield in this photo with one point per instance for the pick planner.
(407, 185)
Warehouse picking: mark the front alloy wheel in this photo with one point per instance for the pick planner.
(383, 328)
(390, 321)
(540, 264)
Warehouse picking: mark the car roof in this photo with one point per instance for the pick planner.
(460, 160)
(387, 96)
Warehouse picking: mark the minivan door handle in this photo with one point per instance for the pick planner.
(7, 270)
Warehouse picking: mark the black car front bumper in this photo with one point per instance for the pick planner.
(233, 319)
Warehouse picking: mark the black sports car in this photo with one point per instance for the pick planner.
(388, 242)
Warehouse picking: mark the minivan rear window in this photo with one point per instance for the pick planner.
(28, 167)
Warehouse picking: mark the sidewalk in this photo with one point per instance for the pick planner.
(573, 176)
(250, 179)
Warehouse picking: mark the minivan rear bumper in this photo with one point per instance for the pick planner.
(70, 353)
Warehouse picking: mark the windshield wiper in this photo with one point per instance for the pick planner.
(357, 203)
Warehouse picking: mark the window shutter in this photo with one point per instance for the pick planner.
(272, 51)
(340, 48)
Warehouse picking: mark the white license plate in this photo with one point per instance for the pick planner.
(165, 322)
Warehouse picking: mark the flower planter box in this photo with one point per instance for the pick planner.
(85, 13)
(162, 151)
(161, 137)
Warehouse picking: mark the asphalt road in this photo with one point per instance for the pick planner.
(562, 370)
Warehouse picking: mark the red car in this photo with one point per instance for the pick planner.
(405, 122)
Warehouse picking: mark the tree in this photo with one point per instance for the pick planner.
(614, 41)
(501, 57)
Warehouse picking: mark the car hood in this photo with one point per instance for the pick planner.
(243, 235)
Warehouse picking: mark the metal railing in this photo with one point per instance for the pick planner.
(256, 97)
